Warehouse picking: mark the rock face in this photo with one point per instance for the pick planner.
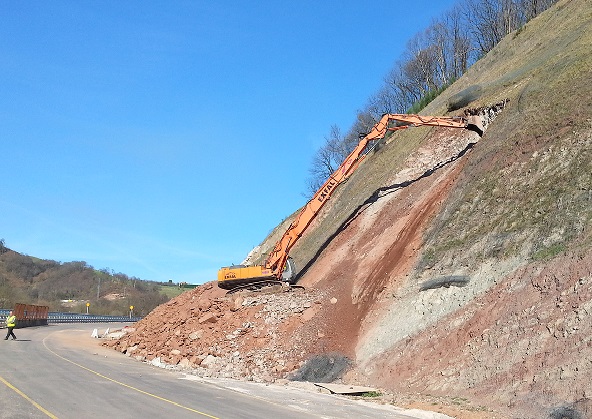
(527, 341)
(447, 265)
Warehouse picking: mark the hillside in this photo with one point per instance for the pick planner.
(449, 270)
(69, 286)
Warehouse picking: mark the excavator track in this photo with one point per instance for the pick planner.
(258, 285)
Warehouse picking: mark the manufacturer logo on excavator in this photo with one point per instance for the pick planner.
(326, 190)
(230, 275)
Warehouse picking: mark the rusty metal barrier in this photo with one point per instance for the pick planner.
(31, 315)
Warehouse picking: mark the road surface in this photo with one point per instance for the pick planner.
(60, 371)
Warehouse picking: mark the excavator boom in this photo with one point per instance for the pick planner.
(278, 266)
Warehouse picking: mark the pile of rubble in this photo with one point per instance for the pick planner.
(242, 336)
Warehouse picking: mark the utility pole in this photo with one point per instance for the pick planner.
(99, 288)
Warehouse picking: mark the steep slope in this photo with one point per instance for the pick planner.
(516, 228)
(447, 265)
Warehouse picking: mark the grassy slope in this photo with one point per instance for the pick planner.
(527, 189)
(171, 291)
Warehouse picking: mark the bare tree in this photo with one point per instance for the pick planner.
(402, 88)
(438, 41)
(326, 160)
(490, 20)
(531, 8)
(482, 18)
(383, 101)
(421, 63)
(510, 17)
(459, 43)
(365, 120)
(364, 123)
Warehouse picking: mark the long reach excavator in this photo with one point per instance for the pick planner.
(278, 268)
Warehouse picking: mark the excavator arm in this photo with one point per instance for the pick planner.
(277, 261)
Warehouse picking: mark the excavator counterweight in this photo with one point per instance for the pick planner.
(278, 267)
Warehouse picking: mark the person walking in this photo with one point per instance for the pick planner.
(10, 324)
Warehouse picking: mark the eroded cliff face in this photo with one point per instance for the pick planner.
(447, 265)
(526, 342)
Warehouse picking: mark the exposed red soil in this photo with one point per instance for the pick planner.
(384, 251)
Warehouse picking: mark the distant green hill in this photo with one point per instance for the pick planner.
(69, 286)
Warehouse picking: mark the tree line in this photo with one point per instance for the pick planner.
(29, 280)
(432, 60)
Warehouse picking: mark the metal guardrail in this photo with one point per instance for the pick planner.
(87, 318)
(58, 317)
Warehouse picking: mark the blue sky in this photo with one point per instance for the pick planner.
(165, 140)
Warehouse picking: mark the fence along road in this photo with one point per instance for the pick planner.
(60, 317)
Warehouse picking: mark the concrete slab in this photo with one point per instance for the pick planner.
(345, 389)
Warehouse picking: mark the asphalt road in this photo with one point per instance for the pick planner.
(59, 371)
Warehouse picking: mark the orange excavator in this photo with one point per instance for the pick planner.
(278, 268)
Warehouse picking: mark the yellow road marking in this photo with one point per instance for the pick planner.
(98, 374)
(24, 396)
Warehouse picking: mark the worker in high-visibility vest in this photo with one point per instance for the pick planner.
(10, 324)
